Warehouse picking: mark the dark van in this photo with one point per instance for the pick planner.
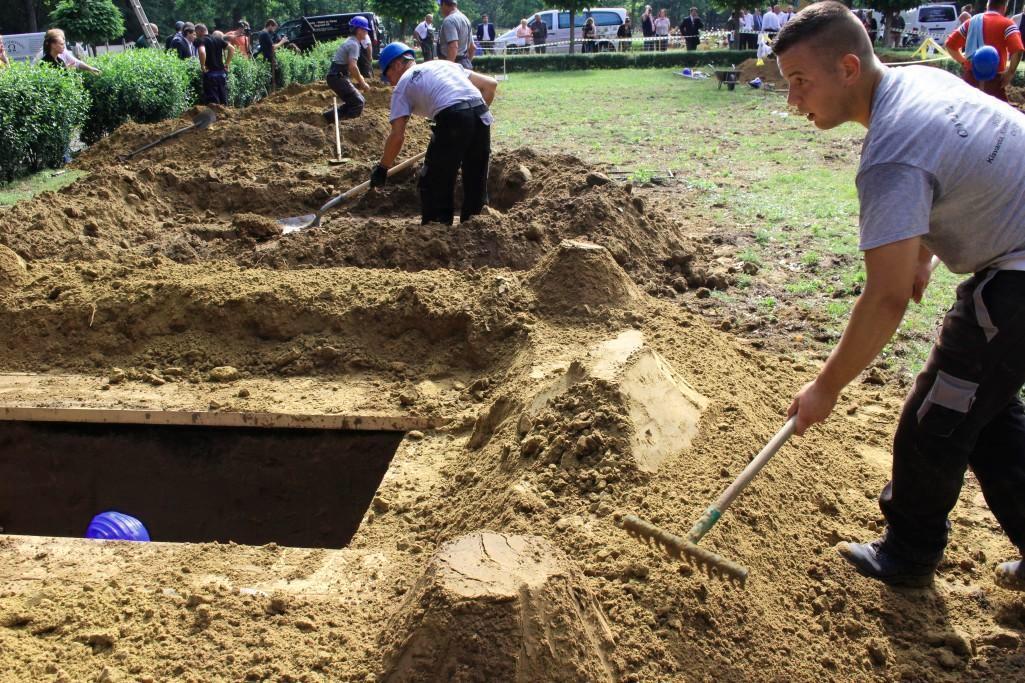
(304, 32)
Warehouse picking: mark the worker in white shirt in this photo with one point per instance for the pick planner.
(424, 34)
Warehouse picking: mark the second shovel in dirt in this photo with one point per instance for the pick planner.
(202, 120)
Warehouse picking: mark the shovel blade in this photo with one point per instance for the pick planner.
(297, 223)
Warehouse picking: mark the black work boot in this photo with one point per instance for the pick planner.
(880, 560)
(1011, 575)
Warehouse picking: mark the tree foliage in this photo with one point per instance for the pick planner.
(407, 13)
(89, 21)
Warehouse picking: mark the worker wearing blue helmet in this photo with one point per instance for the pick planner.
(457, 100)
(344, 76)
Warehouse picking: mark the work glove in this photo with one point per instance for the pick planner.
(379, 176)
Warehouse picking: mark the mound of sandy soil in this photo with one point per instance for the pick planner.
(768, 72)
(542, 622)
(570, 396)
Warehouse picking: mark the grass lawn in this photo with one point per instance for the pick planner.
(29, 186)
(752, 170)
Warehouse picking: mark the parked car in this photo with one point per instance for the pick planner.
(936, 21)
(304, 32)
(607, 21)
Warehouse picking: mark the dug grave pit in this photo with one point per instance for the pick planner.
(191, 476)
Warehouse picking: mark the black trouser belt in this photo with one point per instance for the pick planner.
(461, 106)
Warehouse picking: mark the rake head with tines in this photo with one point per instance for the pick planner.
(686, 549)
(680, 548)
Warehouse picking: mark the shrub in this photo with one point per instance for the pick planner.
(248, 81)
(39, 111)
(306, 67)
(610, 60)
(138, 85)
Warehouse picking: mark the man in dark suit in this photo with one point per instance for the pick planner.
(690, 29)
(486, 34)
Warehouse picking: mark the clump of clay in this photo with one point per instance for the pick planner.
(256, 227)
(580, 274)
(498, 607)
(13, 272)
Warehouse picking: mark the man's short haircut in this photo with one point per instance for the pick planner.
(830, 27)
(270, 22)
(693, 9)
(201, 28)
(450, 2)
(992, 4)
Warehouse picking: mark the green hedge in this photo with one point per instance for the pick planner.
(611, 60)
(306, 67)
(138, 85)
(40, 108)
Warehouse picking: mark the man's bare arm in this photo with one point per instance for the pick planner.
(393, 145)
(452, 50)
(488, 86)
(890, 271)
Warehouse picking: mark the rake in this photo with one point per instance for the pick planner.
(686, 549)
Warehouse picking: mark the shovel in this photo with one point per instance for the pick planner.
(312, 220)
(202, 120)
(687, 548)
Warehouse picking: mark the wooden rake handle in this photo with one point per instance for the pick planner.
(714, 512)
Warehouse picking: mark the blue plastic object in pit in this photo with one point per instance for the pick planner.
(116, 526)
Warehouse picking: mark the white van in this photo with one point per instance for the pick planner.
(936, 21)
(607, 21)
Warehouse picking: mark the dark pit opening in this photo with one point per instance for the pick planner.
(290, 486)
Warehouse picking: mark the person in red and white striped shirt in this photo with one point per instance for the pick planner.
(999, 32)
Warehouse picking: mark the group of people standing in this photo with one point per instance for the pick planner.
(454, 41)
(746, 26)
(457, 39)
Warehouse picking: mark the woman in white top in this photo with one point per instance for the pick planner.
(55, 53)
(524, 33)
(662, 30)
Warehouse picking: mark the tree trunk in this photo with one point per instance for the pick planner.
(572, 29)
(30, 10)
(402, 28)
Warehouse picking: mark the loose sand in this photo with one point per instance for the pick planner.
(551, 362)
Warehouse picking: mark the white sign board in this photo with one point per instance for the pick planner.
(23, 46)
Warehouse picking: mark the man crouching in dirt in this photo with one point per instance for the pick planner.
(939, 174)
(457, 100)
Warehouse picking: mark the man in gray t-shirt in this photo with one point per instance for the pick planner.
(939, 178)
(344, 76)
(455, 43)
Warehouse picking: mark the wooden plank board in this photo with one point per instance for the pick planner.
(357, 404)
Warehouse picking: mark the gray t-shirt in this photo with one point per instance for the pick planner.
(430, 87)
(456, 27)
(349, 50)
(943, 161)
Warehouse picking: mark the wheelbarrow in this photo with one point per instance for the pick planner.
(728, 76)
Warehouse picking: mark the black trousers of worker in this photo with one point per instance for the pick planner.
(964, 411)
(460, 140)
(352, 101)
(215, 88)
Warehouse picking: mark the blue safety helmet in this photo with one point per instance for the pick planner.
(359, 22)
(390, 53)
(985, 62)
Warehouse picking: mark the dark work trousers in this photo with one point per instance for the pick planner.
(964, 411)
(539, 46)
(994, 86)
(215, 88)
(352, 100)
(692, 43)
(427, 48)
(460, 140)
